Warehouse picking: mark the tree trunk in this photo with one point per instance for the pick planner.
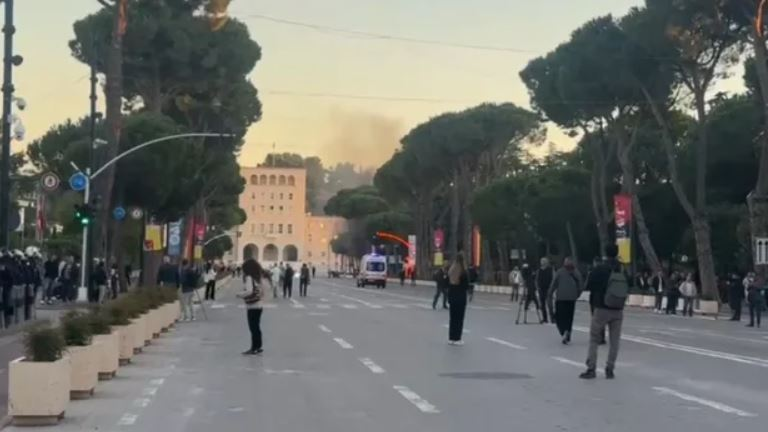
(453, 239)
(702, 234)
(572, 242)
(487, 269)
(602, 229)
(758, 199)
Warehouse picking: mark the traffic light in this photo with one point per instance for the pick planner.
(83, 214)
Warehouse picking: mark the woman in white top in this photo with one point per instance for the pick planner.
(688, 291)
(253, 296)
(210, 281)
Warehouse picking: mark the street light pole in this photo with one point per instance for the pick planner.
(5, 163)
(82, 295)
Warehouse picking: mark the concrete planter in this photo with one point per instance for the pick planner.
(85, 370)
(125, 342)
(38, 391)
(169, 315)
(109, 355)
(649, 301)
(635, 300)
(149, 324)
(139, 332)
(709, 307)
(177, 310)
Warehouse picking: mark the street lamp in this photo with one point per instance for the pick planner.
(82, 295)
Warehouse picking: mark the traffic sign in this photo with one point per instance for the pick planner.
(49, 181)
(137, 213)
(78, 181)
(118, 213)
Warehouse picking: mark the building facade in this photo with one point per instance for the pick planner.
(278, 227)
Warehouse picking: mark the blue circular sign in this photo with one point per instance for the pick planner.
(118, 213)
(78, 181)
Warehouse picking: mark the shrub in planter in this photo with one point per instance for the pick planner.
(39, 383)
(135, 308)
(107, 341)
(119, 318)
(76, 329)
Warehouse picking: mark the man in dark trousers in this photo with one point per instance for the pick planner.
(288, 281)
(735, 296)
(303, 280)
(605, 281)
(168, 274)
(441, 287)
(543, 279)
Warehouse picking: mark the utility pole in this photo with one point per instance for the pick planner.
(87, 265)
(5, 163)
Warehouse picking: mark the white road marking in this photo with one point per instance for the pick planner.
(505, 343)
(349, 306)
(422, 404)
(324, 328)
(157, 382)
(141, 402)
(398, 306)
(188, 412)
(477, 307)
(423, 306)
(149, 391)
(236, 409)
(500, 308)
(324, 300)
(754, 361)
(465, 331)
(318, 314)
(342, 343)
(219, 306)
(296, 304)
(567, 361)
(370, 364)
(127, 419)
(266, 306)
(356, 300)
(197, 391)
(323, 306)
(708, 403)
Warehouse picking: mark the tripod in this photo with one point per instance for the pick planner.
(528, 298)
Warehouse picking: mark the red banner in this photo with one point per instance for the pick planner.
(439, 239)
(622, 206)
(476, 243)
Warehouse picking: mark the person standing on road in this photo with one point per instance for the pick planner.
(544, 277)
(50, 275)
(99, 280)
(254, 302)
(441, 288)
(735, 296)
(755, 299)
(303, 280)
(210, 281)
(458, 286)
(275, 279)
(529, 288)
(515, 280)
(657, 286)
(474, 277)
(673, 294)
(610, 289)
(189, 283)
(288, 282)
(688, 291)
(565, 289)
(314, 271)
(168, 274)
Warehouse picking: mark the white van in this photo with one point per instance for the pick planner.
(373, 271)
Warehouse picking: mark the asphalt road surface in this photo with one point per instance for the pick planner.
(347, 359)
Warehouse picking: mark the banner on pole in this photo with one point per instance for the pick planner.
(412, 250)
(174, 238)
(476, 242)
(153, 238)
(622, 205)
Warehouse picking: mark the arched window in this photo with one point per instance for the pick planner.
(291, 181)
(270, 253)
(290, 253)
(250, 251)
(272, 180)
(263, 179)
(254, 179)
(281, 182)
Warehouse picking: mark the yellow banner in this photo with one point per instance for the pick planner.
(153, 239)
(439, 260)
(198, 252)
(625, 250)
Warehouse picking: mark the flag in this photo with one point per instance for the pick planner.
(122, 23)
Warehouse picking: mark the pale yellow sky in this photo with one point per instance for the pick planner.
(307, 61)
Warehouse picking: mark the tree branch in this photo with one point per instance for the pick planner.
(106, 4)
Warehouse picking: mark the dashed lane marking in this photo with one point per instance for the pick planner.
(141, 402)
(127, 419)
(323, 306)
(324, 328)
(157, 382)
(567, 361)
(422, 404)
(349, 306)
(149, 391)
(505, 343)
(342, 343)
(295, 303)
(370, 364)
(706, 402)
(356, 300)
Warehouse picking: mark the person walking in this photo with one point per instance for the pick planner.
(736, 295)
(688, 291)
(565, 289)
(303, 280)
(529, 288)
(288, 282)
(402, 276)
(755, 299)
(254, 303)
(544, 277)
(673, 294)
(189, 283)
(210, 281)
(168, 274)
(610, 289)
(50, 276)
(441, 287)
(474, 277)
(275, 279)
(515, 280)
(314, 271)
(99, 280)
(658, 282)
(458, 286)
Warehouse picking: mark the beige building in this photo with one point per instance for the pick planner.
(278, 227)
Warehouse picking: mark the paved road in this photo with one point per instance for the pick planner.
(349, 360)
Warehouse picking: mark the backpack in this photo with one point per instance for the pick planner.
(617, 291)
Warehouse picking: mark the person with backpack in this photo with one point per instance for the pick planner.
(565, 289)
(610, 289)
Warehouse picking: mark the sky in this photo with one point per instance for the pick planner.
(390, 86)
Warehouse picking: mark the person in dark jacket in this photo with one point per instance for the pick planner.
(658, 286)
(441, 287)
(755, 299)
(190, 279)
(605, 316)
(50, 277)
(735, 296)
(565, 289)
(303, 280)
(673, 293)
(529, 287)
(288, 281)
(544, 277)
(99, 281)
(168, 274)
(458, 286)
(474, 277)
